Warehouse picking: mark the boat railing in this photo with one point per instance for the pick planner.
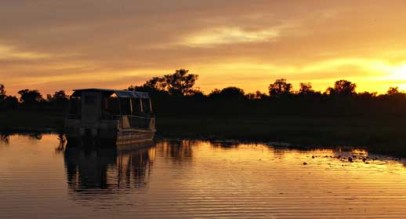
(126, 121)
(138, 121)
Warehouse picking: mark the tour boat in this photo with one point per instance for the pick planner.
(106, 117)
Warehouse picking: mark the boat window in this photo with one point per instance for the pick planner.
(125, 106)
(90, 99)
(146, 107)
(136, 106)
(75, 104)
(112, 106)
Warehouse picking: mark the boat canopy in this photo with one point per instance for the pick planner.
(109, 92)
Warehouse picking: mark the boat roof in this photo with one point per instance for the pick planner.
(119, 93)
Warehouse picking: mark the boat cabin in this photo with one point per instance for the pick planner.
(105, 113)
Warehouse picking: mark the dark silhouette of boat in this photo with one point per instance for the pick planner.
(108, 170)
(106, 117)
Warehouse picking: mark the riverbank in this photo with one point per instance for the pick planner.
(380, 135)
(28, 121)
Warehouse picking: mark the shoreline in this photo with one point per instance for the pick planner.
(232, 142)
(382, 135)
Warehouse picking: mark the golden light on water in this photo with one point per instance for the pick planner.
(211, 178)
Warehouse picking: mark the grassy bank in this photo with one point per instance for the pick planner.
(383, 135)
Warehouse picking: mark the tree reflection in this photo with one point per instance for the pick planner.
(61, 143)
(279, 153)
(5, 138)
(35, 136)
(226, 144)
(177, 150)
(107, 169)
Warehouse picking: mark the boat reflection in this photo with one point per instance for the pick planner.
(108, 170)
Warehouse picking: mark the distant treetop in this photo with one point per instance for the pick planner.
(180, 83)
(279, 88)
(30, 96)
(342, 88)
(2, 92)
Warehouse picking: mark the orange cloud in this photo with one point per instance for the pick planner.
(75, 44)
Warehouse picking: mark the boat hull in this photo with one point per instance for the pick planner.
(134, 136)
(121, 138)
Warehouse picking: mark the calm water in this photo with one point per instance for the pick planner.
(192, 179)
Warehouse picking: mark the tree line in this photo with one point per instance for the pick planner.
(32, 100)
(176, 94)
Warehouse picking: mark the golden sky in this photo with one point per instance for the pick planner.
(51, 45)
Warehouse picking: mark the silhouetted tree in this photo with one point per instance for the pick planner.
(155, 83)
(227, 100)
(2, 92)
(393, 91)
(174, 94)
(367, 95)
(9, 102)
(342, 88)
(198, 95)
(30, 96)
(214, 93)
(228, 93)
(306, 89)
(179, 83)
(280, 87)
(258, 95)
(151, 86)
(59, 97)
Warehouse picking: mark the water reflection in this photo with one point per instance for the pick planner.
(225, 144)
(196, 179)
(134, 167)
(178, 151)
(108, 169)
(5, 138)
(35, 136)
(61, 143)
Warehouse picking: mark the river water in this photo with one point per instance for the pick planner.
(41, 178)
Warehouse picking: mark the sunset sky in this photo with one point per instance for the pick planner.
(51, 45)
